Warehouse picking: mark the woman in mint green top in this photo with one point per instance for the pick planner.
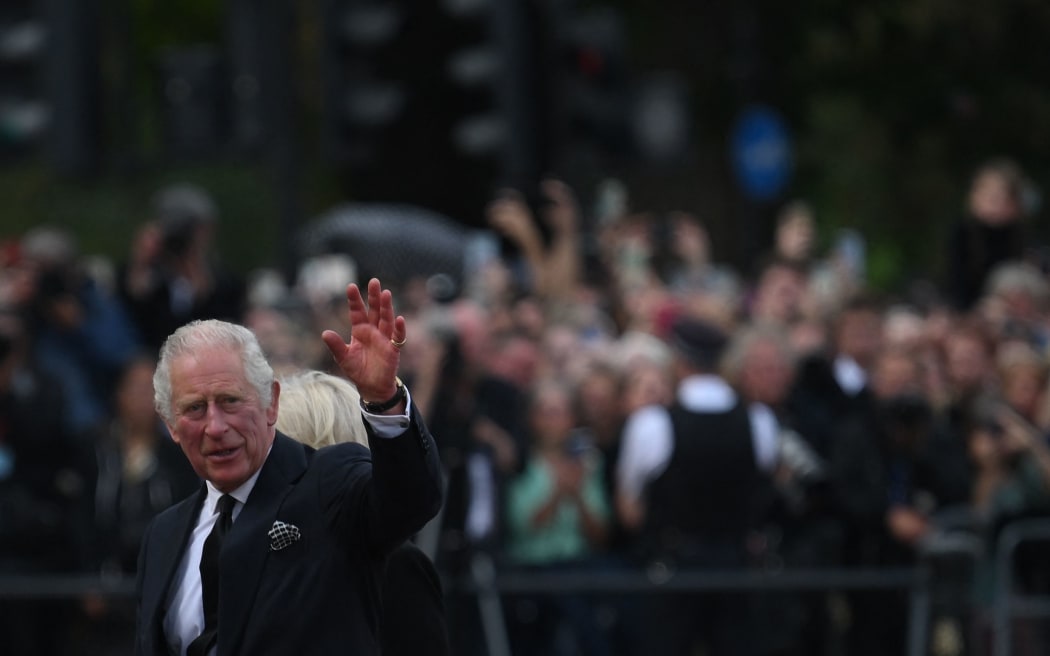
(557, 509)
(556, 516)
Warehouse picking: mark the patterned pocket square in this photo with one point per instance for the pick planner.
(283, 535)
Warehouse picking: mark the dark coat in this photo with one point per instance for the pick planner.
(413, 622)
(321, 595)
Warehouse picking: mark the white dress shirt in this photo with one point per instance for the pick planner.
(648, 437)
(185, 618)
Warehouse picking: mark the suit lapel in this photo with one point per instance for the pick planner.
(247, 546)
(168, 543)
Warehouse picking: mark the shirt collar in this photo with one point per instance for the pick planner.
(849, 375)
(706, 392)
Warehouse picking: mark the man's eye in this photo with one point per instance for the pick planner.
(230, 403)
(194, 411)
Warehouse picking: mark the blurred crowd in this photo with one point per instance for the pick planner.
(607, 394)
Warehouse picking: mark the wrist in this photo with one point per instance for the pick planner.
(380, 406)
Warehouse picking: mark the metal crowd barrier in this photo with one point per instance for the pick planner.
(1009, 603)
(488, 584)
(65, 587)
(928, 583)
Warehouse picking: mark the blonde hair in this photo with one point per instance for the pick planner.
(319, 409)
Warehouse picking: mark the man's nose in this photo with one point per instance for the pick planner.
(216, 421)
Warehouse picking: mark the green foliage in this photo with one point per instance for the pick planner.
(103, 214)
(892, 105)
(898, 101)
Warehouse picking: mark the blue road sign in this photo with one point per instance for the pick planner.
(762, 153)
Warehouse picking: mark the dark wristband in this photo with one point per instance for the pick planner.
(380, 407)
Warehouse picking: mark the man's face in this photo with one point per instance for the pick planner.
(860, 335)
(766, 375)
(220, 422)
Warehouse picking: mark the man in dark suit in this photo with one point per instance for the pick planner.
(300, 566)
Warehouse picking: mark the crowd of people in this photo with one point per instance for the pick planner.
(609, 396)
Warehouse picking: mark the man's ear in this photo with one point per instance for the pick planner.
(171, 433)
(271, 412)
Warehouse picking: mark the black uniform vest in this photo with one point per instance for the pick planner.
(700, 508)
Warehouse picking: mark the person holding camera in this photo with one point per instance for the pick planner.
(172, 275)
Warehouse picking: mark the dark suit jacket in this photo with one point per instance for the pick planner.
(413, 606)
(321, 595)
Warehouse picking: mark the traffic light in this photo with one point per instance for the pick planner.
(492, 69)
(364, 86)
(474, 65)
(49, 82)
(591, 97)
(25, 110)
(424, 101)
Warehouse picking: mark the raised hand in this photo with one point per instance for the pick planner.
(562, 212)
(371, 358)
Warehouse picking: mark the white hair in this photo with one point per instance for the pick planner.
(199, 335)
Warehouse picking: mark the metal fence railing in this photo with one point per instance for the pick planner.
(938, 585)
(1012, 602)
(490, 584)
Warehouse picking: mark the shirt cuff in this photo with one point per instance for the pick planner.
(389, 426)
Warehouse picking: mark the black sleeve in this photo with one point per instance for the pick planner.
(413, 617)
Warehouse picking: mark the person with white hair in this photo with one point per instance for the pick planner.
(277, 525)
(172, 274)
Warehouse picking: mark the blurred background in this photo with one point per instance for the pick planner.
(850, 193)
(875, 113)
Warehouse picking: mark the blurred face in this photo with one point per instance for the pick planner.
(472, 331)
(690, 239)
(967, 362)
(600, 398)
(647, 385)
(516, 361)
(795, 237)
(766, 374)
(1022, 389)
(220, 423)
(779, 295)
(860, 335)
(135, 396)
(552, 418)
(894, 374)
(903, 330)
(991, 199)
(984, 448)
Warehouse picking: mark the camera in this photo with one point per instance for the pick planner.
(579, 444)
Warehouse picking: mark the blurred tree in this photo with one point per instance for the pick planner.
(892, 103)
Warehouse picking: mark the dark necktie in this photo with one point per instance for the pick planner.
(210, 577)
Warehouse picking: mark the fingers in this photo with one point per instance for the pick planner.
(378, 312)
(557, 191)
(361, 312)
(400, 331)
(376, 296)
(335, 344)
(356, 305)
